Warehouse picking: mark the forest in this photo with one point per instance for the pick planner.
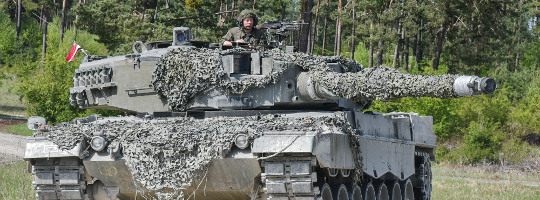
(499, 39)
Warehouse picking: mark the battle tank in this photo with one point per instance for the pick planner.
(239, 124)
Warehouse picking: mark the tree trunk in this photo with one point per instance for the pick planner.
(19, 5)
(226, 8)
(406, 54)
(325, 28)
(233, 6)
(44, 44)
(283, 12)
(75, 26)
(380, 53)
(55, 8)
(516, 62)
(41, 19)
(395, 62)
(419, 51)
(63, 23)
(305, 30)
(155, 12)
(438, 51)
(371, 44)
(314, 37)
(353, 45)
(220, 17)
(167, 2)
(337, 46)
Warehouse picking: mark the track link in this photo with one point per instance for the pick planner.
(59, 178)
(289, 178)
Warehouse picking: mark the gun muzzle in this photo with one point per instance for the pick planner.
(474, 85)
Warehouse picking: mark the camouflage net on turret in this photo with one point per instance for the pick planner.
(166, 156)
(181, 74)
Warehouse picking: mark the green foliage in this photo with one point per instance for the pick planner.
(114, 23)
(8, 37)
(481, 143)
(15, 55)
(514, 151)
(46, 91)
(525, 118)
(361, 54)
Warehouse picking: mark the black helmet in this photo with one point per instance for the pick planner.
(247, 14)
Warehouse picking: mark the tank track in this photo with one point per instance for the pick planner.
(59, 178)
(289, 177)
(295, 177)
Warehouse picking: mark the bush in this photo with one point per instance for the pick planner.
(46, 91)
(481, 143)
(525, 118)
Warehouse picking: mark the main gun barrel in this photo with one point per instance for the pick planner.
(383, 83)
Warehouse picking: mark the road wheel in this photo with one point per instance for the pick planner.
(368, 191)
(382, 192)
(407, 191)
(326, 192)
(356, 193)
(342, 193)
(394, 190)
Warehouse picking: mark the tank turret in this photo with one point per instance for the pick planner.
(240, 124)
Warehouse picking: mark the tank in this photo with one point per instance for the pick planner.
(239, 124)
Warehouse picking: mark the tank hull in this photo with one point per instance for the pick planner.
(291, 159)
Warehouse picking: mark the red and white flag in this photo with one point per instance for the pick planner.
(73, 52)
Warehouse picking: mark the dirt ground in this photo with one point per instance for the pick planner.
(11, 146)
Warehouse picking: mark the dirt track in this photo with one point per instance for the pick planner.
(11, 146)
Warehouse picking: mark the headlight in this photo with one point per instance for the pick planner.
(98, 143)
(241, 141)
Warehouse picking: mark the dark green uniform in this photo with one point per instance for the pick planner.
(255, 37)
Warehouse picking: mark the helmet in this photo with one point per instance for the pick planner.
(247, 14)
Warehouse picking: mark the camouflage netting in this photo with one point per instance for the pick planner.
(384, 84)
(181, 74)
(167, 155)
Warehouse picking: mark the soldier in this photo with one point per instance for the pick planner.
(245, 32)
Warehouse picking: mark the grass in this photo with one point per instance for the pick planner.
(15, 181)
(449, 182)
(10, 103)
(465, 182)
(19, 129)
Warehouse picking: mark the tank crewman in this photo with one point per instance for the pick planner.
(245, 32)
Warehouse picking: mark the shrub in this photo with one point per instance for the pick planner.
(46, 91)
(481, 143)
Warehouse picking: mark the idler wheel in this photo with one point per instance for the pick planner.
(422, 189)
